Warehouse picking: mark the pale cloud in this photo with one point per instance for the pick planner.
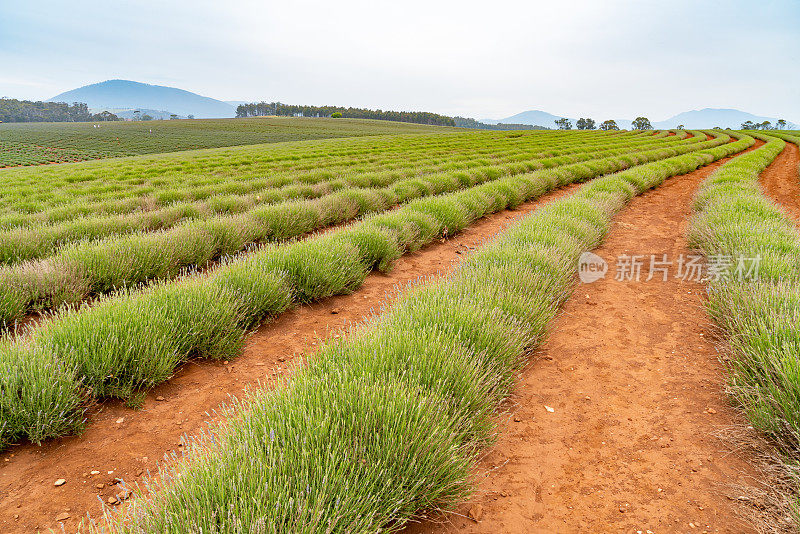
(600, 58)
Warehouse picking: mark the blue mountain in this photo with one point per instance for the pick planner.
(533, 117)
(126, 94)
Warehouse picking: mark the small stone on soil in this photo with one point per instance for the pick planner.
(160, 398)
(475, 512)
(60, 482)
(549, 409)
(63, 516)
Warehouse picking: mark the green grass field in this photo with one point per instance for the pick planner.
(61, 142)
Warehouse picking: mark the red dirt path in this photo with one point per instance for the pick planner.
(636, 387)
(781, 181)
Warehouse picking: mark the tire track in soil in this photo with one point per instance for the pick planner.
(637, 390)
(28, 498)
(781, 181)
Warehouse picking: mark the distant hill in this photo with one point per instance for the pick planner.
(129, 95)
(703, 118)
(711, 117)
(532, 117)
(542, 118)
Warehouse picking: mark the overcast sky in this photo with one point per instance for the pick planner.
(483, 59)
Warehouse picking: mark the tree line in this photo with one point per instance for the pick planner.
(643, 123)
(464, 122)
(263, 109)
(639, 123)
(13, 110)
(780, 124)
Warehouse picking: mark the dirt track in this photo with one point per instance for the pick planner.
(781, 182)
(636, 388)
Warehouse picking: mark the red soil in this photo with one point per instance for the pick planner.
(636, 387)
(781, 181)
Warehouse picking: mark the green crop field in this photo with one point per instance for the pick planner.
(760, 316)
(128, 228)
(443, 269)
(114, 273)
(61, 142)
(117, 224)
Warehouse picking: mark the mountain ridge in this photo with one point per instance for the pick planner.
(128, 94)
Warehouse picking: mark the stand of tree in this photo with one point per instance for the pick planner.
(13, 110)
(766, 125)
(262, 109)
(463, 122)
(641, 123)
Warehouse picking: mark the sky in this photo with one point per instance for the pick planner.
(597, 58)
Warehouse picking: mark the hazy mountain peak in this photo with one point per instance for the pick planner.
(127, 94)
